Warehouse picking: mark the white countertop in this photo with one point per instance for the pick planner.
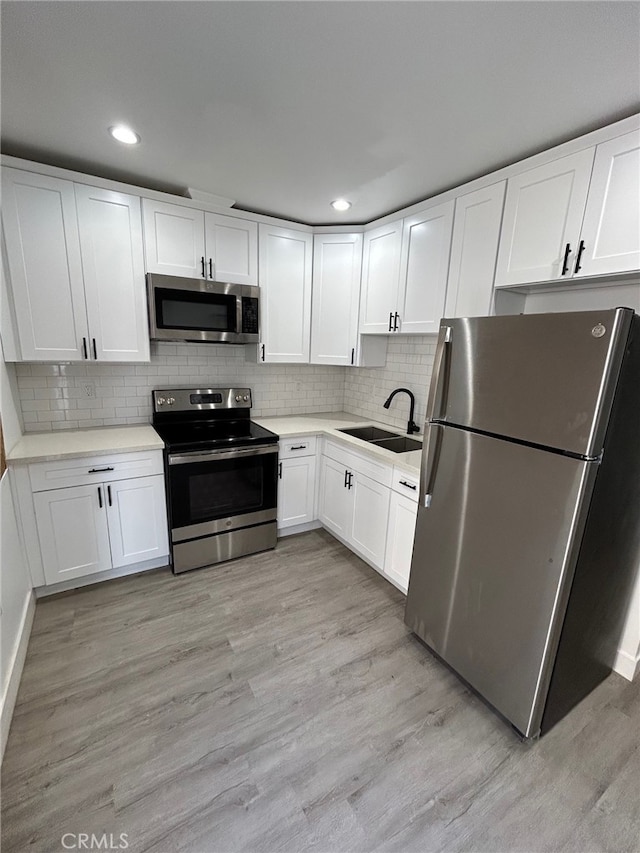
(48, 446)
(330, 423)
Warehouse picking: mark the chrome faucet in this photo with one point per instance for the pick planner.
(411, 425)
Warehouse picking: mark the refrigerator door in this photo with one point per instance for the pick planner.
(545, 379)
(493, 561)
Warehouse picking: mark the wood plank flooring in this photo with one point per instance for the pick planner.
(278, 703)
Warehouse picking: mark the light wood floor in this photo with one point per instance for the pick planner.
(278, 703)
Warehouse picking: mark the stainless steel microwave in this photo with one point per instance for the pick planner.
(193, 309)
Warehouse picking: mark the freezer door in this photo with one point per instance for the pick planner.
(492, 563)
(546, 379)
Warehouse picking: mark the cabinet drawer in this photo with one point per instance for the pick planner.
(406, 484)
(94, 469)
(298, 446)
(354, 461)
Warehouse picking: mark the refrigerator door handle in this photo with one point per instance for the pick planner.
(430, 455)
(444, 338)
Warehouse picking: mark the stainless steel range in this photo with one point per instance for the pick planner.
(221, 474)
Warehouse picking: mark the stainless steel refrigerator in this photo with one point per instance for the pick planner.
(528, 532)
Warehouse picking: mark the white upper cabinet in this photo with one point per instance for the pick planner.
(542, 220)
(380, 277)
(474, 249)
(231, 247)
(76, 270)
(337, 262)
(426, 241)
(611, 228)
(113, 265)
(173, 239)
(45, 269)
(404, 273)
(187, 242)
(285, 298)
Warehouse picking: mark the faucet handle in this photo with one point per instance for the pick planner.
(412, 427)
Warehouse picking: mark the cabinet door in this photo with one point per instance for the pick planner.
(173, 239)
(113, 264)
(611, 229)
(232, 246)
(285, 279)
(296, 491)
(474, 249)
(402, 527)
(72, 528)
(426, 241)
(380, 277)
(45, 270)
(368, 532)
(137, 515)
(335, 507)
(337, 262)
(543, 213)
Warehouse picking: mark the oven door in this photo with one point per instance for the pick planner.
(218, 491)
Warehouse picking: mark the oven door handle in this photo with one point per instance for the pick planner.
(212, 455)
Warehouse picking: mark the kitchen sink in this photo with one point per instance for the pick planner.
(369, 433)
(398, 444)
(383, 438)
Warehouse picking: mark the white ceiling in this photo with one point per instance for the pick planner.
(284, 106)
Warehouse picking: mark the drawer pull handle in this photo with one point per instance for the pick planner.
(98, 470)
(298, 447)
(408, 485)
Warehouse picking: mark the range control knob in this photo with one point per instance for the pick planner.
(246, 398)
(170, 401)
(161, 401)
(238, 398)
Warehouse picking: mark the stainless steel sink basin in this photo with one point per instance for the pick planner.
(368, 433)
(383, 438)
(399, 444)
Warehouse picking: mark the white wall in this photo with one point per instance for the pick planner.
(17, 604)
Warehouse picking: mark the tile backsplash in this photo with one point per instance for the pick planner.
(409, 365)
(83, 395)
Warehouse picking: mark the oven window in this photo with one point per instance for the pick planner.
(225, 493)
(205, 312)
(207, 491)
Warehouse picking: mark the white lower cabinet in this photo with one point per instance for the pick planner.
(369, 520)
(297, 482)
(95, 514)
(137, 520)
(354, 501)
(73, 532)
(403, 512)
(372, 508)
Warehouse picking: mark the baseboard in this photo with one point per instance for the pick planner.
(626, 665)
(298, 528)
(110, 574)
(15, 670)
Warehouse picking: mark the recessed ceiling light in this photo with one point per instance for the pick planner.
(124, 134)
(341, 204)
